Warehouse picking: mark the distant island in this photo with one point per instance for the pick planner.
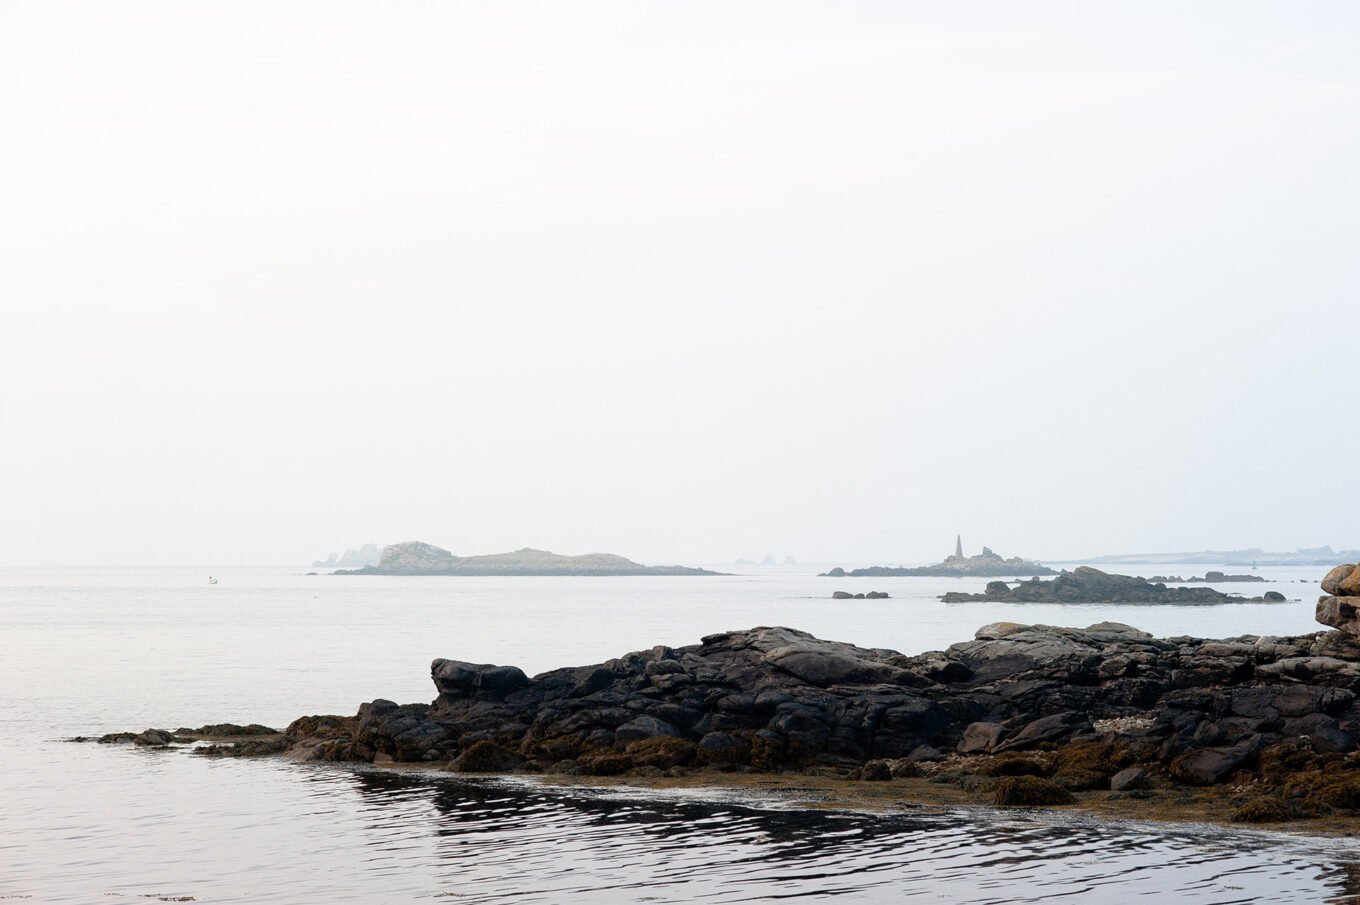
(1253, 556)
(1206, 578)
(769, 560)
(985, 565)
(417, 558)
(367, 555)
(1088, 585)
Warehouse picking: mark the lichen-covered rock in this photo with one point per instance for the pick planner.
(1341, 613)
(1342, 581)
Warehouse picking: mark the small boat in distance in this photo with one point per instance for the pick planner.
(212, 580)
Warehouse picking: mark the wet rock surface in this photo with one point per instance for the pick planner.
(253, 738)
(1087, 585)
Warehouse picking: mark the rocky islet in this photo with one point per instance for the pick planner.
(986, 564)
(1087, 585)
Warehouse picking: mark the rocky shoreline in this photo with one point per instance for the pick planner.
(1021, 715)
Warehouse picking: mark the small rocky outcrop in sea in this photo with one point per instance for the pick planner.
(216, 732)
(872, 595)
(1088, 585)
(985, 565)
(419, 558)
(1339, 606)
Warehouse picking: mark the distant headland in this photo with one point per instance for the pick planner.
(985, 565)
(1253, 556)
(417, 558)
(367, 555)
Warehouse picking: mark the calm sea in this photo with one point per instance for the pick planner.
(87, 651)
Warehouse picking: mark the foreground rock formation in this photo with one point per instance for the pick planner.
(985, 565)
(1339, 606)
(1088, 585)
(417, 558)
(1022, 714)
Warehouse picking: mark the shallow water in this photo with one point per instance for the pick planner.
(89, 651)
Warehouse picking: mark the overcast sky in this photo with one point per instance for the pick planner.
(682, 281)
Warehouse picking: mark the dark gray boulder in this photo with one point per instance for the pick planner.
(455, 678)
(1129, 779)
(1208, 766)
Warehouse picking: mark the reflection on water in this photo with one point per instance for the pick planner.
(130, 826)
(549, 845)
(93, 651)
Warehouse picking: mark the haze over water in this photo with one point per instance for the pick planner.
(135, 648)
(681, 282)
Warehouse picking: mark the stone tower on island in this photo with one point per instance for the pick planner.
(958, 546)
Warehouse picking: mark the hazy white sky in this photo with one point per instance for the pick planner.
(683, 281)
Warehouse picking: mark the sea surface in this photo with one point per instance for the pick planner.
(88, 651)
